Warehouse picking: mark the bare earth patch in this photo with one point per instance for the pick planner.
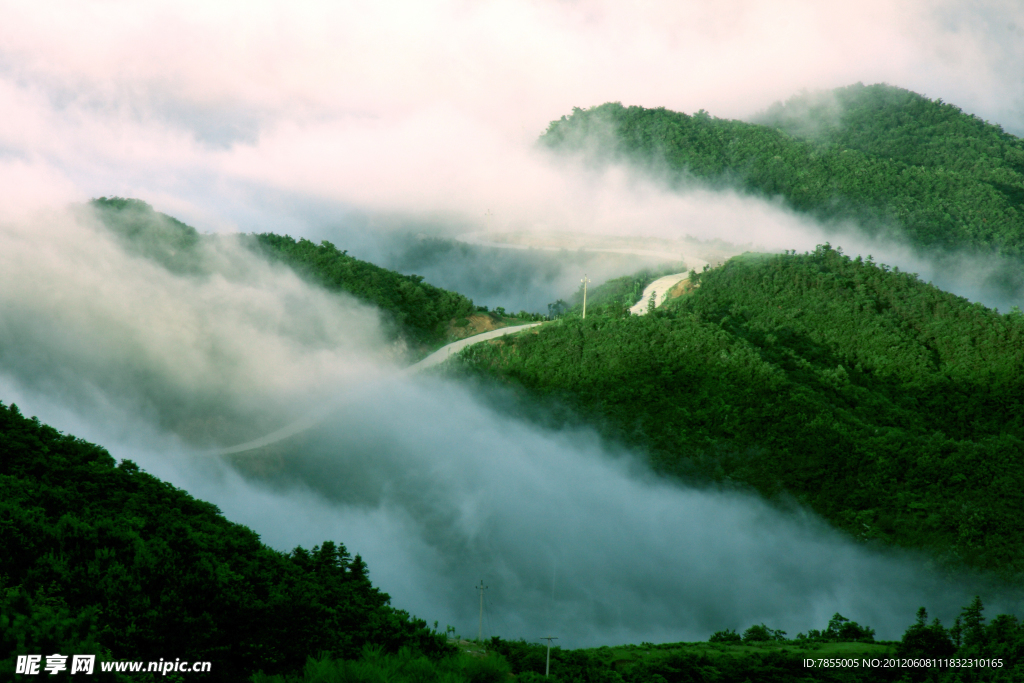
(477, 323)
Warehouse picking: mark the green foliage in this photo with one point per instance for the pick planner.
(840, 630)
(150, 234)
(759, 633)
(406, 666)
(43, 624)
(970, 639)
(105, 558)
(898, 163)
(676, 663)
(626, 290)
(893, 409)
(727, 636)
(766, 655)
(417, 311)
(421, 311)
(924, 640)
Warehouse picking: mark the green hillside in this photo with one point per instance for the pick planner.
(418, 312)
(103, 558)
(421, 310)
(892, 408)
(896, 162)
(843, 651)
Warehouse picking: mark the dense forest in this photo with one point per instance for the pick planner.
(893, 409)
(761, 653)
(421, 310)
(418, 312)
(895, 162)
(102, 558)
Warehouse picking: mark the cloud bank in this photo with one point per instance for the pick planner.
(229, 117)
(432, 485)
(346, 120)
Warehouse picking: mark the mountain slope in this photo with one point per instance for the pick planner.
(419, 312)
(106, 559)
(422, 311)
(898, 163)
(892, 408)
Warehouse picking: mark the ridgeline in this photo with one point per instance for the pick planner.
(105, 559)
(893, 409)
(413, 310)
(899, 164)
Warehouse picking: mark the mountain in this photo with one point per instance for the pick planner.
(899, 164)
(893, 409)
(102, 558)
(416, 311)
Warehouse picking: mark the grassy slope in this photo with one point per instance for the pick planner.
(783, 661)
(897, 162)
(892, 408)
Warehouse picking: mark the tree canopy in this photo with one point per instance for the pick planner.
(892, 408)
(104, 558)
(898, 163)
(414, 310)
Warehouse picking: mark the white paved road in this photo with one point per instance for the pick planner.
(304, 423)
(660, 289)
(446, 352)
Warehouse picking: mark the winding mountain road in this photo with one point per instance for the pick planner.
(445, 352)
(308, 421)
(660, 289)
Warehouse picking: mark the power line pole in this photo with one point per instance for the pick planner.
(584, 281)
(480, 630)
(547, 667)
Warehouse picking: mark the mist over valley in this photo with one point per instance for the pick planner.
(229, 237)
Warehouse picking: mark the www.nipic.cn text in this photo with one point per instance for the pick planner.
(86, 664)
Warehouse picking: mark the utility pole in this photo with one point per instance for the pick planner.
(547, 667)
(584, 281)
(480, 630)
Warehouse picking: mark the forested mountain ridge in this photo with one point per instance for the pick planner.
(421, 310)
(897, 163)
(417, 311)
(104, 558)
(892, 408)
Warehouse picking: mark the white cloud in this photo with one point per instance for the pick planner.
(261, 115)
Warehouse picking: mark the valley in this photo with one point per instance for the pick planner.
(694, 490)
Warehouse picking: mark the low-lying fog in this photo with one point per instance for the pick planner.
(434, 486)
(362, 123)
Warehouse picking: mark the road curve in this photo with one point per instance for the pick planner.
(660, 289)
(304, 423)
(445, 352)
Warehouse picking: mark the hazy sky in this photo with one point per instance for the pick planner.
(329, 119)
(256, 115)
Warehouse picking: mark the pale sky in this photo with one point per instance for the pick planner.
(233, 115)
